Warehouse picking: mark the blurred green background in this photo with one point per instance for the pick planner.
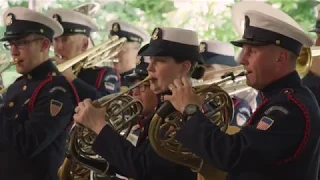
(210, 18)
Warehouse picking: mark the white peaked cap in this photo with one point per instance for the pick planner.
(20, 21)
(124, 29)
(267, 25)
(181, 44)
(217, 47)
(217, 52)
(73, 21)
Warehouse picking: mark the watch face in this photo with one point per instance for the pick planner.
(191, 109)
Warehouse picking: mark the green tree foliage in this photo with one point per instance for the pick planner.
(303, 11)
(208, 18)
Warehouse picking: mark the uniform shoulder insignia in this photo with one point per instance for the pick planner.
(109, 86)
(276, 108)
(241, 119)
(265, 123)
(57, 88)
(111, 76)
(55, 107)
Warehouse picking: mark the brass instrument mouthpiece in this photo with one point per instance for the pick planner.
(58, 56)
(243, 73)
(15, 61)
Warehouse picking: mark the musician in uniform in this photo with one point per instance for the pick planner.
(127, 57)
(217, 56)
(38, 106)
(143, 92)
(281, 140)
(166, 63)
(91, 82)
(1, 87)
(312, 79)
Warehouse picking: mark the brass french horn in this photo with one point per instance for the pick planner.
(166, 120)
(122, 112)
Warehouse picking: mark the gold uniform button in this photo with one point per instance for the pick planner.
(11, 104)
(54, 74)
(24, 87)
(29, 76)
(16, 116)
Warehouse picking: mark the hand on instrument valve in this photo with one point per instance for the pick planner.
(68, 72)
(89, 116)
(183, 94)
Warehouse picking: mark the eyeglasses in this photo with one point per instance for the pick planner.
(20, 44)
(143, 87)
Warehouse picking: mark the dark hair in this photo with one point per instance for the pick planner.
(197, 70)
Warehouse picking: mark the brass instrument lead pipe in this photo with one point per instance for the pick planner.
(99, 103)
(226, 70)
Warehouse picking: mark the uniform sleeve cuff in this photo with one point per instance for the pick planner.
(101, 144)
(191, 126)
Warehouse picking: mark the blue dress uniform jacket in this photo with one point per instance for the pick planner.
(281, 140)
(242, 112)
(140, 162)
(96, 82)
(312, 81)
(34, 124)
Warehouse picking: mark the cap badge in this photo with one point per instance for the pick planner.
(57, 18)
(9, 20)
(115, 27)
(155, 34)
(247, 21)
(202, 47)
(138, 59)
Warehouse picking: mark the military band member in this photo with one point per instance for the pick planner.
(128, 55)
(90, 82)
(38, 106)
(217, 56)
(281, 140)
(166, 63)
(312, 79)
(143, 93)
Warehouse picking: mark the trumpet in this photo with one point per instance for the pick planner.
(104, 52)
(122, 112)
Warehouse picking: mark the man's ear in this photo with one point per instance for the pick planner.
(45, 44)
(85, 44)
(283, 57)
(186, 67)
